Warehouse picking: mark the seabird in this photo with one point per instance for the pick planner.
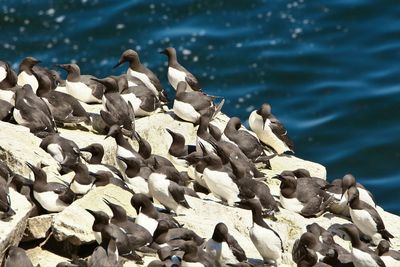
(303, 195)
(26, 74)
(143, 100)
(190, 106)
(267, 241)
(17, 257)
(141, 72)
(6, 110)
(361, 254)
(195, 256)
(32, 112)
(8, 77)
(103, 178)
(138, 235)
(224, 247)
(177, 150)
(270, 130)
(366, 218)
(164, 235)
(177, 73)
(82, 87)
(64, 151)
(53, 197)
(136, 175)
(117, 108)
(82, 182)
(148, 216)
(247, 142)
(389, 257)
(105, 256)
(111, 231)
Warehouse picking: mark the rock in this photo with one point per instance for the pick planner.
(44, 258)
(11, 231)
(75, 224)
(38, 227)
(22, 147)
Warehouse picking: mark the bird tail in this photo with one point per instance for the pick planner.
(385, 234)
(218, 108)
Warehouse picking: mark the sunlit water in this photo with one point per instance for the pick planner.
(330, 71)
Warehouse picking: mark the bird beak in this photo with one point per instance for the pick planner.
(119, 63)
(278, 177)
(164, 52)
(63, 66)
(29, 165)
(264, 119)
(91, 212)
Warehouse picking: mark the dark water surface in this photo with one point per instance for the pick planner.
(330, 70)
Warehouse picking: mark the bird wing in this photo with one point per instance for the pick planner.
(178, 194)
(192, 81)
(237, 250)
(280, 131)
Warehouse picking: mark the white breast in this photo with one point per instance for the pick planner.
(139, 185)
(226, 139)
(97, 236)
(364, 221)
(8, 96)
(149, 223)
(362, 259)
(364, 196)
(25, 78)
(81, 92)
(56, 152)
(175, 76)
(214, 248)
(266, 242)
(49, 201)
(389, 261)
(185, 111)
(292, 204)
(191, 264)
(158, 188)
(221, 185)
(3, 73)
(265, 133)
(136, 102)
(78, 188)
(143, 78)
(18, 118)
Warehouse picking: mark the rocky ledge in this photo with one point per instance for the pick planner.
(49, 238)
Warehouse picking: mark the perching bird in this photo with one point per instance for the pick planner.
(177, 73)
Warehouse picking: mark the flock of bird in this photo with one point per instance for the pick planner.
(225, 163)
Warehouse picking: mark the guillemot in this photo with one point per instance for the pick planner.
(143, 100)
(136, 175)
(267, 241)
(26, 74)
(82, 182)
(164, 235)
(6, 110)
(303, 196)
(82, 87)
(117, 108)
(148, 216)
(53, 197)
(141, 72)
(389, 256)
(177, 73)
(270, 130)
(17, 257)
(362, 255)
(105, 256)
(224, 246)
(366, 218)
(190, 106)
(8, 77)
(195, 255)
(177, 150)
(32, 112)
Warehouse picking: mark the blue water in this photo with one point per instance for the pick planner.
(330, 70)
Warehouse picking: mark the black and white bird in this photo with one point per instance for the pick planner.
(366, 218)
(361, 254)
(52, 196)
(177, 73)
(137, 70)
(120, 111)
(26, 75)
(270, 130)
(136, 175)
(389, 256)
(190, 106)
(224, 247)
(267, 241)
(303, 195)
(82, 182)
(195, 255)
(8, 77)
(144, 102)
(32, 112)
(178, 149)
(82, 87)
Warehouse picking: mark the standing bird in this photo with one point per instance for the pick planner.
(270, 130)
(53, 197)
(32, 112)
(8, 77)
(195, 255)
(26, 74)
(366, 218)
(82, 87)
(120, 111)
(141, 72)
(361, 254)
(177, 73)
(178, 149)
(224, 246)
(144, 102)
(247, 142)
(190, 106)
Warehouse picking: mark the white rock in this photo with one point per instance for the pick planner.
(38, 227)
